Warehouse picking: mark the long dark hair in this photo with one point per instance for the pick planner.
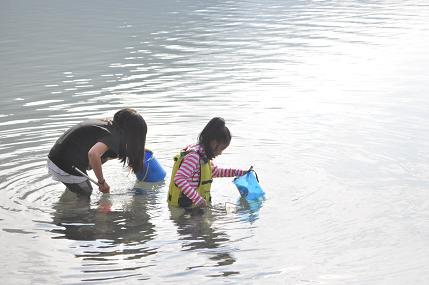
(215, 130)
(133, 131)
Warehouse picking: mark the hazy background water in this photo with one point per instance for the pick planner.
(327, 99)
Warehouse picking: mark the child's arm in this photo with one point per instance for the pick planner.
(226, 172)
(183, 177)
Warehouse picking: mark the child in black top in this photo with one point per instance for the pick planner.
(91, 143)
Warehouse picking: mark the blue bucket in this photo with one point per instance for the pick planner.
(248, 186)
(152, 170)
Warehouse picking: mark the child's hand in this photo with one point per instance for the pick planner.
(247, 171)
(105, 188)
(200, 203)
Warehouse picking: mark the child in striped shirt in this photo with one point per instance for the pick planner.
(193, 169)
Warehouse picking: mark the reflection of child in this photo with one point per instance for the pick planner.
(193, 169)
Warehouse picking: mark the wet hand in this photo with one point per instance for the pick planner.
(200, 203)
(103, 186)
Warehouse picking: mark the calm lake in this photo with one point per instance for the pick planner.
(328, 100)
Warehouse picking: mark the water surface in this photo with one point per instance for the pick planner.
(328, 100)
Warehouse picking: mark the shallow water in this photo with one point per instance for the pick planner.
(327, 99)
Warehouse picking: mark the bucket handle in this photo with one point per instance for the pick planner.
(147, 167)
(256, 174)
(146, 172)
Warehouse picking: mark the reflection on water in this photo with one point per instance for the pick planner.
(117, 235)
(327, 99)
(196, 232)
(249, 209)
(81, 222)
(195, 228)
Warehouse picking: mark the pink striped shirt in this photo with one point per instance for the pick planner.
(188, 174)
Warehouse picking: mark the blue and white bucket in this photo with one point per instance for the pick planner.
(152, 170)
